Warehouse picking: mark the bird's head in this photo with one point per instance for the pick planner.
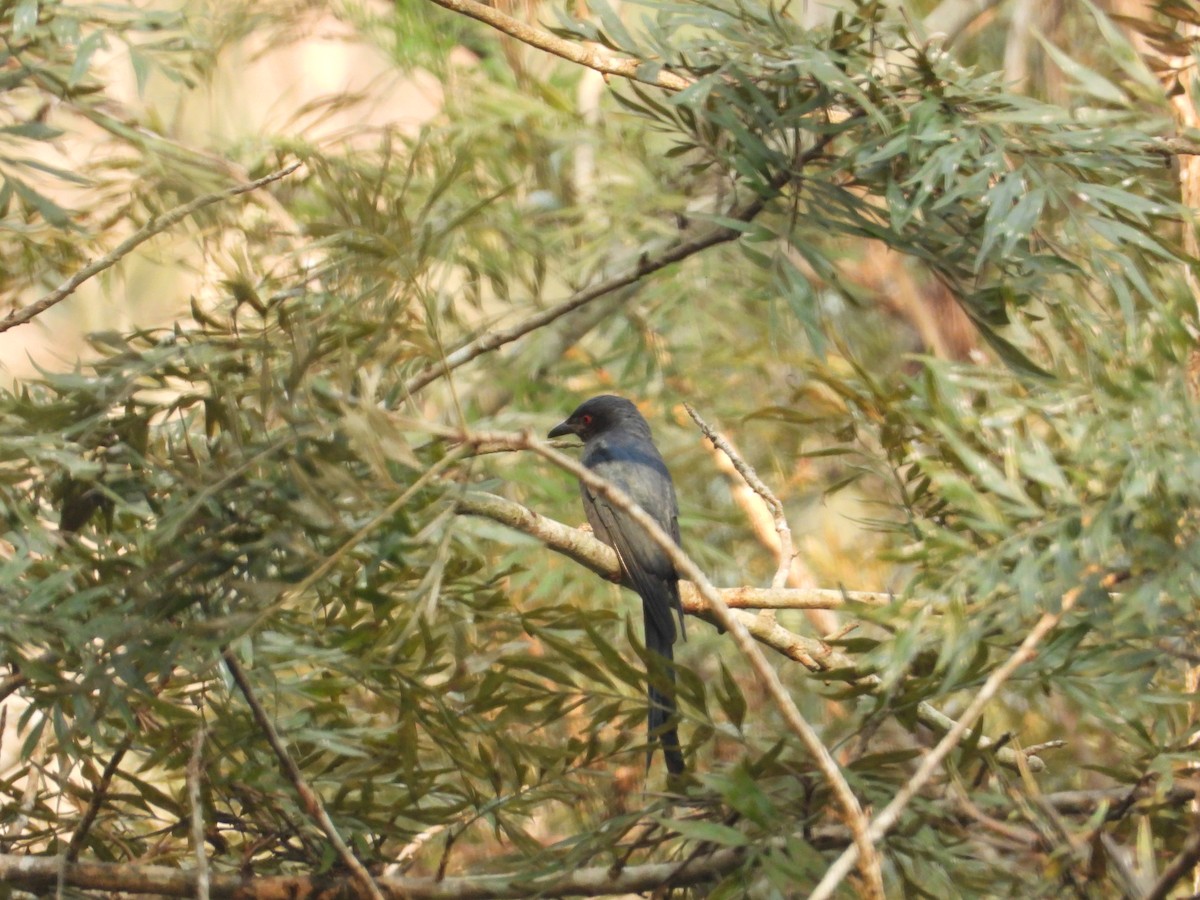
(599, 415)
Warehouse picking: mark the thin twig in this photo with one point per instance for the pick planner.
(888, 817)
(591, 55)
(195, 771)
(852, 813)
(1185, 860)
(785, 551)
(309, 799)
(157, 225)
(99, 795)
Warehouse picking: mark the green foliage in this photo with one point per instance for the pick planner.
(261, 477)
(51, 87)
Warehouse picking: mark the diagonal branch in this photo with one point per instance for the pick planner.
(155, 226)
(99, 795)
(590, 55)
(851, 809)
(757, 500)
(309, 799)
(785, 550)
(492, 340)
(883, 822)
(646, 265)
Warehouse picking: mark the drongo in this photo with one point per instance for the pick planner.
(618, 447)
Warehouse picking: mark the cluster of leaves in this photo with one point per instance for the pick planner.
(234, 482)
(52, 203)
(999, 195)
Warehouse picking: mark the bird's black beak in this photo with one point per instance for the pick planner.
(560, 429)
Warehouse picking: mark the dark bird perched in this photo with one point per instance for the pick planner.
(618, 447)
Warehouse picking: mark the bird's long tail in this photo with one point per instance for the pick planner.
(662, 703)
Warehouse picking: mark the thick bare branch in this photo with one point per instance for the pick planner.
(816, 656)
(586, 550)
(41, 872)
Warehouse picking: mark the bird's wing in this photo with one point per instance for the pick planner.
(649, 569)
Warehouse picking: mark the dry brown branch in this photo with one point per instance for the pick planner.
(851, 810)
(770, 524)
(310, 801)
(586, 550)
(890, 814)
(591, 55)
(33, 873)
(155, 226)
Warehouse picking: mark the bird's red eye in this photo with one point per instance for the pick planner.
(586, 419)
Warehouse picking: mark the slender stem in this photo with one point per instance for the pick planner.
(195, 771)
(309, 799)
(883, 822)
